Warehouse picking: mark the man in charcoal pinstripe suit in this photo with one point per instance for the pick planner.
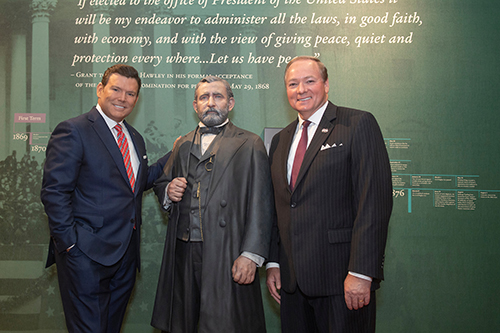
(333, 209)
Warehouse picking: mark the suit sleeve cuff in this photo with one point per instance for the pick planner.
(258, 260)
(272, 265)
(361, 276)
(166, 200)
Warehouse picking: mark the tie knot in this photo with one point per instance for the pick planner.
(118, 128)
(306, 123)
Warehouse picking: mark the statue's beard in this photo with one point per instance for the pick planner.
(213, 117)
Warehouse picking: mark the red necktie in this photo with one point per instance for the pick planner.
(123, 144)
(299, 154)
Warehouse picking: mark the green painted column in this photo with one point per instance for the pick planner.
(18, 92)
(40, 77)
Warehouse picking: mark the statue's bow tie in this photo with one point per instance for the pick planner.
(211, 130)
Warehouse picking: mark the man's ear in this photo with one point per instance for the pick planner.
(99, 90)
(231, 103)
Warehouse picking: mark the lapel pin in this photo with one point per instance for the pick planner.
(324, 130)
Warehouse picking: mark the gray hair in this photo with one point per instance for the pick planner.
(210, 79)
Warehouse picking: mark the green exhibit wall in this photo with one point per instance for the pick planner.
(428, 71)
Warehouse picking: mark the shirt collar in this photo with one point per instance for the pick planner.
(110, 122)
(316, 116)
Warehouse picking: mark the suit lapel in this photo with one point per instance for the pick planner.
(196, 146)
(225, 150)
(108, 140)
(184, 154)
(286, 139)
(324, 130)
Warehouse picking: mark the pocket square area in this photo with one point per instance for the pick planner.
(328, 146)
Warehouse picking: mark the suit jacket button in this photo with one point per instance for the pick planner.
(132, 221)
(222, 223)
(293, 205)
(223, 203)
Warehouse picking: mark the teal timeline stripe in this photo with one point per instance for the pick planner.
(408, 189)
(409, 201)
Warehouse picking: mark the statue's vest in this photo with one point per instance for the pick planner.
(193, 203)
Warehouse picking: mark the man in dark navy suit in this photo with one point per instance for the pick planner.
(333, 195)
(94, 176)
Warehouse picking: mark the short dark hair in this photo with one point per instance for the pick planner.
(210, 79)
(123, 70)
(322, 67)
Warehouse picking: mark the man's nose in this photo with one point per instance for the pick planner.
(211, 101)
(301, 88)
